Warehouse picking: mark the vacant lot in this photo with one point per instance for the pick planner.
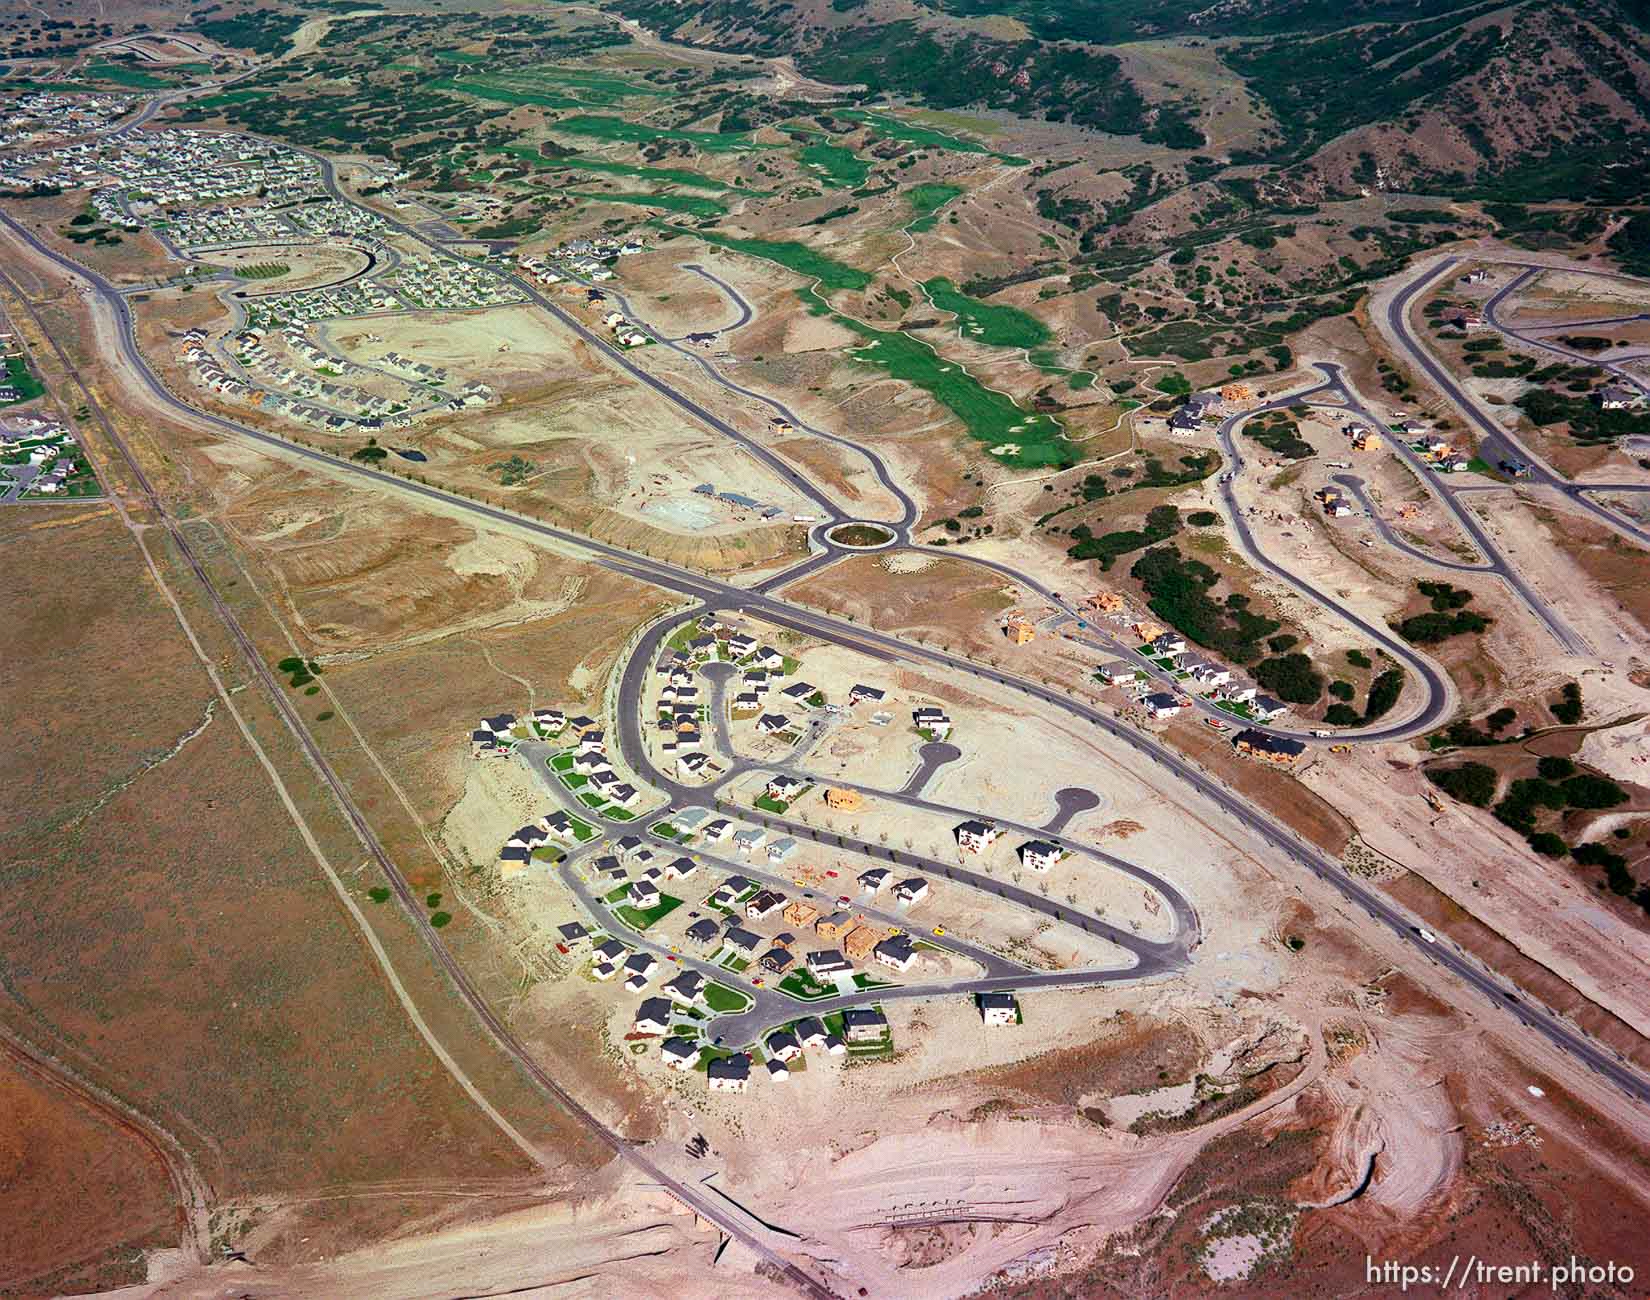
(165, 928)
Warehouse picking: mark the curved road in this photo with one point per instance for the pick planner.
(1555, 1030)
(1497, 443)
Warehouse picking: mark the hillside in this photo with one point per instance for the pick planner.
(1400, 94)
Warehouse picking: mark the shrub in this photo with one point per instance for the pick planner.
(440, 919)
(1428, 629)
(1341, 690)
(1548, 845)
(1203, 519)
(1472, 783)
(1285, 641)
(1567, 708)
(1290, 677)
(1616, 875)
(1358, 659)
(379, 894)
(1585, 790)
(1554, 768)
(1342, 715)
(1383, 693)
(1501, 719)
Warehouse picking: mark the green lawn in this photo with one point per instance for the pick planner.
(639, 918)
(838, 164)
(802, 986)
(601, 166)
(590, 799)
(831, 274)
(925, 136)
(763, 802)
(695, 205)
(926, 200)
(719, 997)
(600, 127)
(989, 323)
(20, 377)
(583, 832)
(562, 762)
(120, 75)
(1014, 436)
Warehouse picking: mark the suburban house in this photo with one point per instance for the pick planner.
(583, 726)
(679, 1053)
(810, 1032)
(764, 905)
(999, 1009)
(746, 702)
(1160, 704)
(1617, 397)
(800, 693)
(685, 988)
(704, 932)
(644, 894)
(1209, 675)
(499, 726)
(1273, 749)
(875, 880)
(784, 1046)
(692, 764)
(838, 799)
(1168, 645)
(729, 1073)
(781, 849)
(612, 952)
(1265, 708)
(750, 839)
(778, 1071)
(827, 963)
(783, 788)
(776, 960)
(680, 868)
(834, 926)
(742, 941)
(911, 891)
(896, 953)
(932, 720)
(628, 844)
(642, 966)
(552, 720)
(653, 1016)
(865, 694)
(513, 859)
(603, 970)
(771, 724)
(1019, 629)
(717, 831)
(975, 836)
(1117, 672)
(740, 644)
(767, 657)
(1040, 855)
(572, 934)
(860, 942)
(864, 1024)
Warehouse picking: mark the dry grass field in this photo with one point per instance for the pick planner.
(166, 930)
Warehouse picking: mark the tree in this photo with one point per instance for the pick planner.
(1473, 783)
